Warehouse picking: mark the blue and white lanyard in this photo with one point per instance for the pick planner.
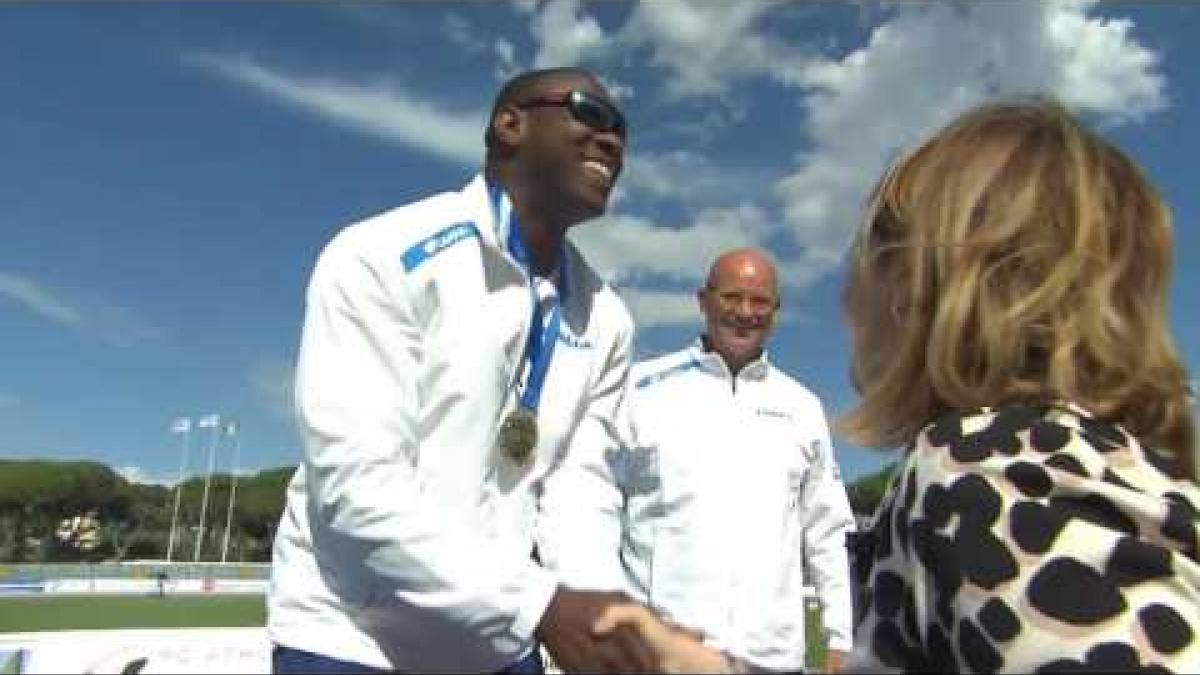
(539, 349)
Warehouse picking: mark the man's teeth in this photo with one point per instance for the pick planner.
(599, 168)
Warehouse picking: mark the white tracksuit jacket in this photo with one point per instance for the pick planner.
(406, 537)
(708, 512)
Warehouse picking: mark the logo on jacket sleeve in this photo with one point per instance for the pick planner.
(435, 244)
(812, 451)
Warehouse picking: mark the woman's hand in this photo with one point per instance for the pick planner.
(679, 649)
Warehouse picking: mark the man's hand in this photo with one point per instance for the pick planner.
(567, 631)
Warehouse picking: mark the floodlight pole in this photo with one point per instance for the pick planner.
(186, 431)
(237, 447)
(212, 449)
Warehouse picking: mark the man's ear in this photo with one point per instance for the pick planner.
(508, 126)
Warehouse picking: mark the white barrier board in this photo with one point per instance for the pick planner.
(178, 650)
(149, 586)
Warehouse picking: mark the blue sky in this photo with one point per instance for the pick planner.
(170, 171)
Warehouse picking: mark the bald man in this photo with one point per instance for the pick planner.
(724, 485)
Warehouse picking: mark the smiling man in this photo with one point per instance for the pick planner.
(739, 301)
(453, 349)
(725, 487)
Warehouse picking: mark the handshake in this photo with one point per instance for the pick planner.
(604, 631)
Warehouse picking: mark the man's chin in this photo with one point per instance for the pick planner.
(742, 347)
(593, 198)
(596, 208)
(587, 209)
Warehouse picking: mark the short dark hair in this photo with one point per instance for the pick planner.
(520, 87)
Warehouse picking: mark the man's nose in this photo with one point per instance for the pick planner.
(745, 306)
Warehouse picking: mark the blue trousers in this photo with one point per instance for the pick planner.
(289, 661)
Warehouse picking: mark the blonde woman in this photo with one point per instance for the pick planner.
(1007, 300)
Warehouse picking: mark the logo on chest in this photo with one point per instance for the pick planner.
(776, 414)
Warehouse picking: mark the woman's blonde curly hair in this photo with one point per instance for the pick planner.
(1015, 256)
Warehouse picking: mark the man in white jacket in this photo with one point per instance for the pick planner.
(453, 350)
(724, 491)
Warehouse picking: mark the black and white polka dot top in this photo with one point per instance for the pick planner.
(1027, 539)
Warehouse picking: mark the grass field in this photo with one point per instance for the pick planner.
(19, 615)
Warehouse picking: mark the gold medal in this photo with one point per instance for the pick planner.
(518, 435)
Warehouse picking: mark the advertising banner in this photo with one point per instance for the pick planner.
(186, 650)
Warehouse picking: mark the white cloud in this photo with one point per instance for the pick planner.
(630, 249)
(1104, 68)
(116, 324)
(661, 308)
(703, 44)
(565, 36)
(928, 63)
(919, 67)
(506, 54)
(39, 299)
(380, 110)
(8, 401)
(84, 311)
(136, 474)
(687, 176)
(459, 32)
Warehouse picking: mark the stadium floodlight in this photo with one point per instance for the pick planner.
(231, 429)
(212, 422)
(183, 426)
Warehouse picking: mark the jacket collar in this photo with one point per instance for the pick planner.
(484, 213)
(493, 210)
(712, 362)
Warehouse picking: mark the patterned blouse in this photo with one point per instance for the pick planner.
(1030, 539)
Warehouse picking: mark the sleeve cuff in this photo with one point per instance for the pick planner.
(541, 587)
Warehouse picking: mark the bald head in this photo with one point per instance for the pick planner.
(743, 262)
(739, 302)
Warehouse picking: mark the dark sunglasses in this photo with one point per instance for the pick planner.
(595, 112)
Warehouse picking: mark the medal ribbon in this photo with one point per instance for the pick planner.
(543, 335)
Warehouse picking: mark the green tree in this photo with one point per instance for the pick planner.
(138, 524)
(37, 495)
(259, 505)
(135, 520)
(866, 492)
